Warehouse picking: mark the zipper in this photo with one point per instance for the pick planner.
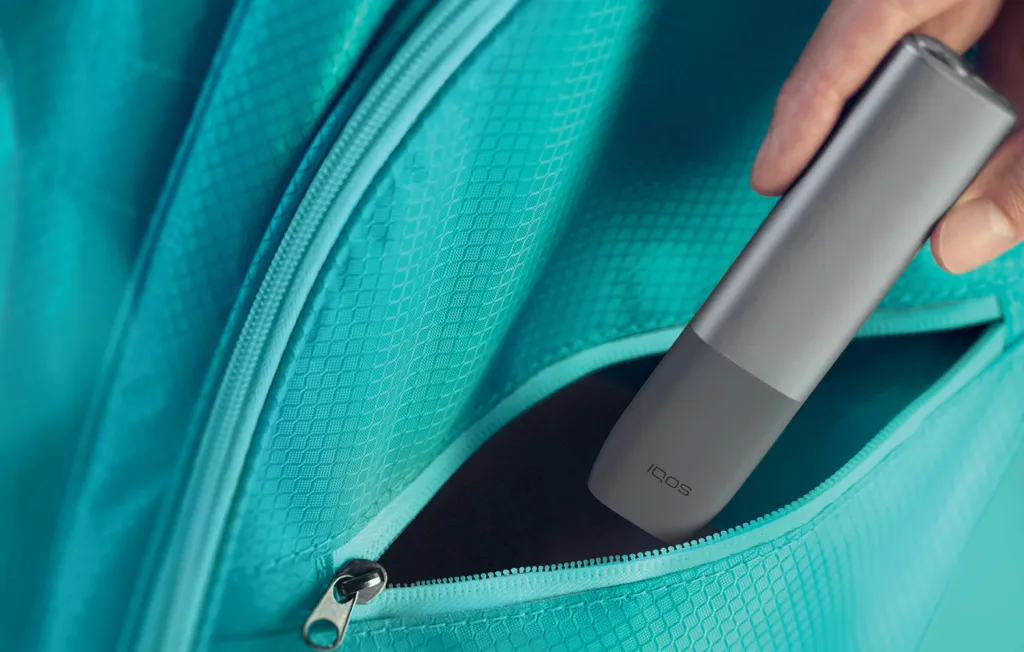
(176, 596)
(357, 582)
(444, 40)
(497, 589)
(383, 528)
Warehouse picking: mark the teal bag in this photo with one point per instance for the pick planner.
(273, 273)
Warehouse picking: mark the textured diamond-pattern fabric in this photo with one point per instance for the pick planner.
(667, 206)
(94, 101)
(104, 92)
(860, 575)
(567, 189)
(420, 293)
(581, 179)
(861, 572)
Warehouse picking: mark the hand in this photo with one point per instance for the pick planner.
(851, 40)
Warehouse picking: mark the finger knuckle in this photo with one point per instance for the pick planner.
(904, 11)
(812, 88)
(790, 91)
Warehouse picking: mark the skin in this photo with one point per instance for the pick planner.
(850, 41)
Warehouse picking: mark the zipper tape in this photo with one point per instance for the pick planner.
(380, 531)
(521, 585)
(444, 41)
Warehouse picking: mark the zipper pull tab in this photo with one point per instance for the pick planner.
(357, 582)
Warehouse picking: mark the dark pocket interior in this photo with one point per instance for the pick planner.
(522, 499)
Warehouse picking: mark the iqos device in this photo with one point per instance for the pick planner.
(906, 148)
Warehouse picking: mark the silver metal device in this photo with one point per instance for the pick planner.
(905, 149)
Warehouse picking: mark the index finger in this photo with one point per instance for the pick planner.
(851, 40)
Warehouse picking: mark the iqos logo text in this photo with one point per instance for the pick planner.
(664, 478)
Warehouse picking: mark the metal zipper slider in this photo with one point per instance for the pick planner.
(357, 582)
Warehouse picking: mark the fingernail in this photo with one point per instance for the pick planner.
(972, 234)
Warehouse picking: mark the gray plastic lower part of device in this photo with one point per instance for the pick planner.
(728, 418)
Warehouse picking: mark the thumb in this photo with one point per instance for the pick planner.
(989, 219)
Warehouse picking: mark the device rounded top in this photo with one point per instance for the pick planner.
(943, 58)
(941, 53)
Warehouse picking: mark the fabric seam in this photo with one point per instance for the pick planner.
(794, 536)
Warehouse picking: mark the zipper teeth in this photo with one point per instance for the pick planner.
(911, 409)
(649, 554)
(245, 379)
(378, 534)
(367, 123)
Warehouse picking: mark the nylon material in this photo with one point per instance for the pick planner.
(421, 302)
(893, 534)
(856, 378)
(386, 369)
(665, 208)
(373, 539)
(647, 171)
(8, 174)
(1013, 309)
(452, 283)
(370, 69)
(269, 81)
(864, 573)
(439, 47)
(625, 265)
(99, 98)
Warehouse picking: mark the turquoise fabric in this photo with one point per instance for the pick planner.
(95, 99)
(860, 570)
(979, 609)
(564, 199)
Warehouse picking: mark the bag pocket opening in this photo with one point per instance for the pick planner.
(521, 500)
